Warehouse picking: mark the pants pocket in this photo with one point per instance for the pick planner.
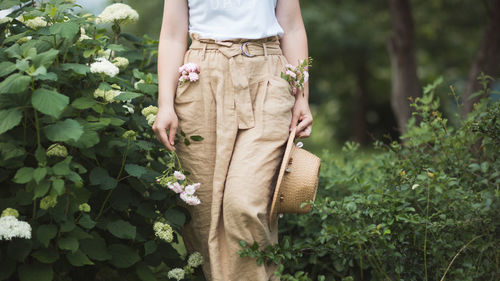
(277, 109)
(188, 105)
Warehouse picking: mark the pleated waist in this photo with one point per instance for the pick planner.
(234, 47)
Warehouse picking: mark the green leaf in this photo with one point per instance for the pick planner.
(86, 221)
(6, 68)
(123, 256)
(122, 229)
(9, 118)
(58, 186)
(64, 130)
(46, 58)
(99, 176)
(68, 243)
(49, 102)
(39, 174)
(62, 168)
(83, 103)
(48, 255)
(19, 249)
(128, 96)
(41, 189)
(144, 272)
(81, 69)
(78, 258)
(15, 83)
(196, 138)
(175, 217)
(135, 170)
(149, 247)
(35, 272)
(23, 175)
(95, 248)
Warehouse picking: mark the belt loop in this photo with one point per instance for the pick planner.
(204, 51)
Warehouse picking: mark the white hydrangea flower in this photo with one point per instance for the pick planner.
(163, 231)
(11, 227)
(36, 22)
(119, 13)
(120, 62)
(99, 93)
(5, 19)
(151, 119)
(176, 273)
(102, 65)
(149, 110)
(110, 95)
(83, 35)
(195, 259)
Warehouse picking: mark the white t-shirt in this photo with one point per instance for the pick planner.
(233, 19)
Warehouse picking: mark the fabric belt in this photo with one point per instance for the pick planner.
(247, 49)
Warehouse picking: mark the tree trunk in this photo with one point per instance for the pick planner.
(487, 59)
(401, 47)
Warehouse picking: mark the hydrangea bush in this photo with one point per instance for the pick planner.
(79, 162)
(424, 209)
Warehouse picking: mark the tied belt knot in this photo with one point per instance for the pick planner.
(247, 49)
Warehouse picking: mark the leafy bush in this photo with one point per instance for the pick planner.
(78, 160)
(426, 209)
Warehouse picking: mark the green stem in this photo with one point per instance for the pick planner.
(117, 178)
(37, 126)
(425, 235)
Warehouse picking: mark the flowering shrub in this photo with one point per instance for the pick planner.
(427, 209)
(78, 158)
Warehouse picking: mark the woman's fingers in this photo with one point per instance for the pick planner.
(304, 127)
(161, 135)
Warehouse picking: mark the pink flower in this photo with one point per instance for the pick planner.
(289, 66)
(291, 73)
(176, 187)
(182, 68)
(183, 78)
(196, 185)
(294, 91)
(178, 175)
(193, 76)
(190, 199)
(189, 189)
(191, 67)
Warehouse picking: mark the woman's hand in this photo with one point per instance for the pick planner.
(302, 113)
(166, 119)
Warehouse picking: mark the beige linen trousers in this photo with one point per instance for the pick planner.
(242, 108)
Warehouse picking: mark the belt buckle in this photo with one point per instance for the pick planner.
(243, 52)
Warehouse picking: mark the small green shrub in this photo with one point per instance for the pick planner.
(78, 160)
(427, 209)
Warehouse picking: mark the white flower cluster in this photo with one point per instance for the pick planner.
(5, 19)
(33, 23)
(163, 231)
(119, 13)
(108, 96)
(11, 227)
(103, 65)
(83, 36)
(120, 62)
(195, 259)
(136, 84)
(176, 273)
(150, 114)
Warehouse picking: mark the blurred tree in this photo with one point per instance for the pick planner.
(487, 59)
(401, 47)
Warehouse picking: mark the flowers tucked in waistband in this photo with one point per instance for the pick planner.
(189, 71)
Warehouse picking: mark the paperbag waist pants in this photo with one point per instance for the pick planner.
(242, 108)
